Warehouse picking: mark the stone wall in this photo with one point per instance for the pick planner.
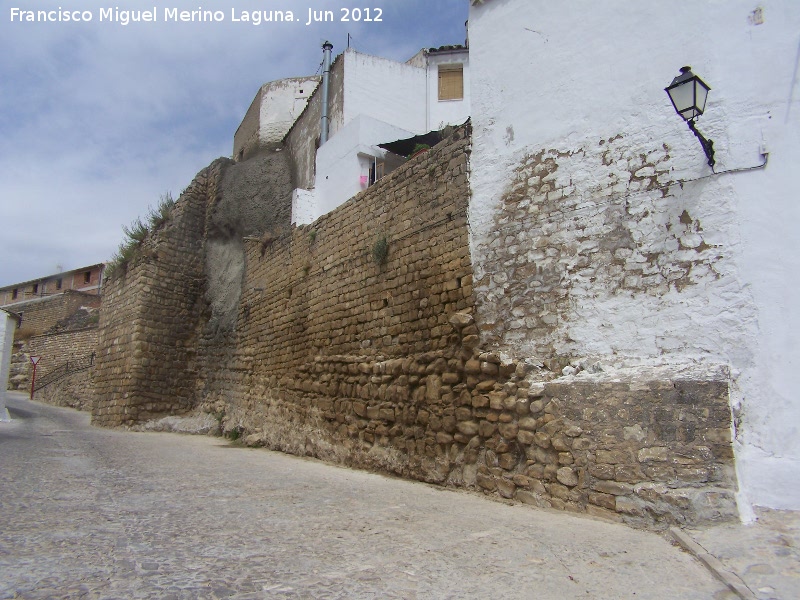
(597, 252)
(600, 232)
(73, 391)
(246, 138)
(356, 339)
(328, 329)
(57, 329)
(54, 349)
(384, 367)
(150, 313)
(42, 314)
(184, 283)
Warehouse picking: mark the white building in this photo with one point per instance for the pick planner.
(8, 324)
(372, 101)
(568, 100)
(271, 114)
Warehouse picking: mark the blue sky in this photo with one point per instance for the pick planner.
(98, 120)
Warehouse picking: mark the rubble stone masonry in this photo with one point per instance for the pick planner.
(357, 340)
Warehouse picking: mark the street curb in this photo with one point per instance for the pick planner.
(712, 563)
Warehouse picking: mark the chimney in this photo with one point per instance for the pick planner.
(326, 76)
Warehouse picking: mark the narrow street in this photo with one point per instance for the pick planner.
(95, 513)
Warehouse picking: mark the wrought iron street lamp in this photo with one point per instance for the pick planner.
(688, 94)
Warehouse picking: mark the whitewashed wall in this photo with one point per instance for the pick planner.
(446, 112)
(573, 92)
(8, 325)
(385, 90)
(339, 167)
(282, 102)
(275, 108)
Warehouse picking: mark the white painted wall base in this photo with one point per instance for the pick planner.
(304, 207)
(8, 325)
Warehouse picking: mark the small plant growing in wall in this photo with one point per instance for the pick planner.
(234, 434)
(380, 249)
(162, 212)
(135, 235)
(137, 232)
(312, 236)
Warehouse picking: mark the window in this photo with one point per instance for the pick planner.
(451, 82)
(87, 277)
(59, 283)
(35, 289)
(376, 171)
(14, 294)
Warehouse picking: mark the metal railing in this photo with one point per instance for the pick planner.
(61, 371)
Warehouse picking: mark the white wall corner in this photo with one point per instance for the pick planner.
(304, 207)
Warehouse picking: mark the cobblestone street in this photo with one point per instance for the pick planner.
(95, 513)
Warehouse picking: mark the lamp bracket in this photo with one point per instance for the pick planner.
(708, 145)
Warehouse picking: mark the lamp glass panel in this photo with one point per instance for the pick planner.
(683, 98)
(701, 92)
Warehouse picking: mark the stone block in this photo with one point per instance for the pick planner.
(567, 476)
(613, 487)
(611, 457)
(525, 437)
(444, 438)
(469, 428)
(629, 506)
(487, 482)
(653, 454)
(485, 386)
(628, 473)
(508, 430)
(505, 488)
(603, 513)
(541, 439)
(558, 490)
(496, 400)
(606, 501)
(507, 461)
(486, 429)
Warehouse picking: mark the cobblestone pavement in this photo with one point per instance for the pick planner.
(764, 556)
(93, 513)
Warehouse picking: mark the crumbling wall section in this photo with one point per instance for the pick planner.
(596, 252)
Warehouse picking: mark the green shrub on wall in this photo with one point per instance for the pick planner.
(380, 249)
